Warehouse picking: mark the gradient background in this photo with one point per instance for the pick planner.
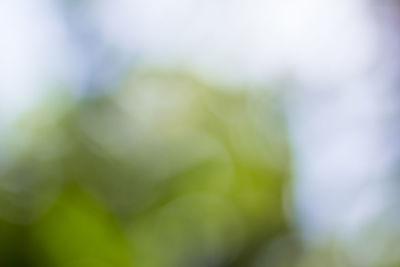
(199, 133)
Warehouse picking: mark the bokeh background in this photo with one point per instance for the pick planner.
(184, 133)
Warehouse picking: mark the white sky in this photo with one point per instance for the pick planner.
(33, 54)
(237, 40)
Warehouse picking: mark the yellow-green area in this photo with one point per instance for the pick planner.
(165, 171)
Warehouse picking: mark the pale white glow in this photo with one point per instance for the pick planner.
(33, 55)
(250, 40)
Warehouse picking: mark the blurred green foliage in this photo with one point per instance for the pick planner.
(168, 170)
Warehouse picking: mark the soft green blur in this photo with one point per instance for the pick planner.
(165, 171)
(168, 170)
